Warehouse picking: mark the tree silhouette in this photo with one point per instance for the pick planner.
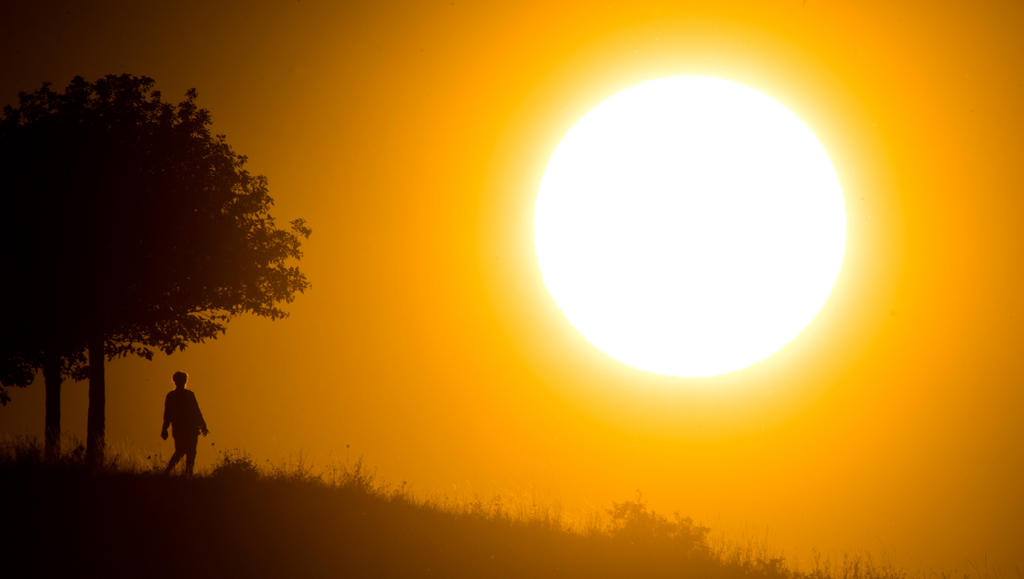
(36, 332)
(156, 233)
(21, 356)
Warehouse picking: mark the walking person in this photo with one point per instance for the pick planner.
(181, 412)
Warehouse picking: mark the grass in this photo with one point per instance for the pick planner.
(240, 520)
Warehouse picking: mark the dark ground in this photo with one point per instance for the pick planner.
(61, 520)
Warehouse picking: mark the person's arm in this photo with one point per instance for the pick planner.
(199, 415)
(167, 417)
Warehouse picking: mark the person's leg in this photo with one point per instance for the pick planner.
(181, 446)
(174, 461)
(190, 460)
(190, 453)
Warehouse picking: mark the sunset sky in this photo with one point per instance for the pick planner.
(413, 137)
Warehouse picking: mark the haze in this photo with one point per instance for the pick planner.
(413, 138)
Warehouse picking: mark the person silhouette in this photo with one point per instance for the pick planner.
(181, 411)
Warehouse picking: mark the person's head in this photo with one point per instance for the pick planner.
(180, 378)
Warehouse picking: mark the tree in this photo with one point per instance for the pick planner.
(34, 336)
(157, 228)
(18, 368)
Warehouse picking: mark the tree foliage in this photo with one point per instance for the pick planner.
(160, 233)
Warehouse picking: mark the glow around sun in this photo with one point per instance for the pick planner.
(690, 226)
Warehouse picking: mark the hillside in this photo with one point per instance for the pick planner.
(59, 519)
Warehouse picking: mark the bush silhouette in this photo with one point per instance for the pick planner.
(234, 466)
(633, 521)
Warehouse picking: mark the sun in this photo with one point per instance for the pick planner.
(690, 226)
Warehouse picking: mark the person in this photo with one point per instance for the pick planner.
(181, 412)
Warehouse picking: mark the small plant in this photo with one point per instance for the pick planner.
(297, 470)
(358, 478)
(635, 522)
(21, 451)
(236, 465)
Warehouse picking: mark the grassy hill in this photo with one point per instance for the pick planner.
(60, 519)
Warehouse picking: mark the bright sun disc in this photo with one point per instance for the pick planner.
(690, 226)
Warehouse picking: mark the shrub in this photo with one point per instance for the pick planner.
(636, 523)
(236, 465)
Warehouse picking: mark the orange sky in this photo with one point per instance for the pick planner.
(413, 137)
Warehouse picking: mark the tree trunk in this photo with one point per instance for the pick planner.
(51, 374)
(96, 426)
